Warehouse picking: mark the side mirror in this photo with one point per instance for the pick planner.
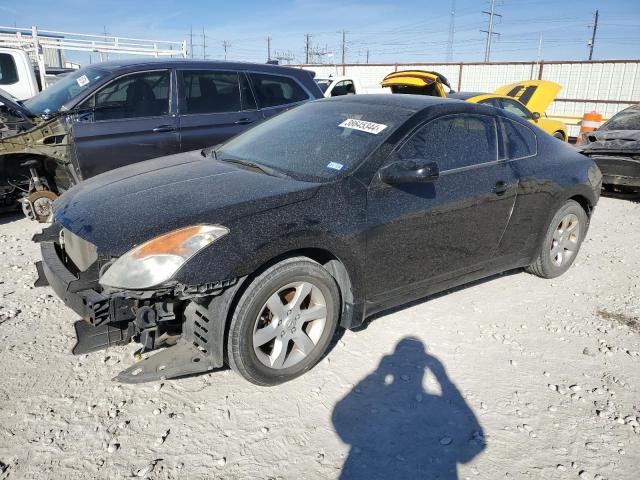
(535, 115)
(410, 171)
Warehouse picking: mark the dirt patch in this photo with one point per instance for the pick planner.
(628, 320)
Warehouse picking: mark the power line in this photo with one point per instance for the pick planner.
(490, 33)
(593, 35)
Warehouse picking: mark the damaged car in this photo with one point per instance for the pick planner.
(254, 252)
(615, 147)
(116, 113)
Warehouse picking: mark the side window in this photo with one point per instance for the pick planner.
(519, 140)
(208, 92)
(492, 102)
(515, 107)
(344, 87)
(8, 71)
(275, 90)
(454, 141)
(246, 95)
(132, 96)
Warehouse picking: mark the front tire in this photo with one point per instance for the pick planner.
(559, 135)
(283, 322)
(561, 242)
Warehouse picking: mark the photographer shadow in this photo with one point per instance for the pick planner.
(398, 430)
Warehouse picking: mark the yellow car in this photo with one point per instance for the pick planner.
(528, 99)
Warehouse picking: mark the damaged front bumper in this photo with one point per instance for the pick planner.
(185, 323)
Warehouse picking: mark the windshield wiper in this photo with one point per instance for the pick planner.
(256, 166)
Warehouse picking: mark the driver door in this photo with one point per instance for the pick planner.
(423, 234)
(126, 121)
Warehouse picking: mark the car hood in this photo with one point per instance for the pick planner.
(122, 208)
(611, 141)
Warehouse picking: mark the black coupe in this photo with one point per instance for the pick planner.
(253, 252)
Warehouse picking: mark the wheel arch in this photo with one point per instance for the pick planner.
(563, 133)
(332, 263)
(351, 312)
(584, 202)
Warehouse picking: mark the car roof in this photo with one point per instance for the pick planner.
(465, 95)
(132, 63)
(407, 101)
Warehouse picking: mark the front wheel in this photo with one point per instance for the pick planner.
(283, 322)
(559, 135)
(561, 242)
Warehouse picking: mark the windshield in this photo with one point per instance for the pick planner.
(627, 119)
(65, 89)
(317, 141)
(323, 83)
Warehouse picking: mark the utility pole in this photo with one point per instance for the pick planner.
(226, 45)
(344, 49)
(540, 49)
(104, 33)
(452, 28)
(191, 40)
(593, 35)
(204, 44)
(490, 33)
(367, 55)
(268, 48)
(307, 47)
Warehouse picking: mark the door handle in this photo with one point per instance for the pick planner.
(500, 188)
(164, 128)
(243, 121)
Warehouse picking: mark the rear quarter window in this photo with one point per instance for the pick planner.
(519, 141)
(275, 90)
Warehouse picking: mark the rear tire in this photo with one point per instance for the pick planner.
(559, 135)
(283, 322)
(562, 241)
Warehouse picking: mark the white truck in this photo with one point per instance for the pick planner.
(17, 75)
(335, 86)
(20, 77)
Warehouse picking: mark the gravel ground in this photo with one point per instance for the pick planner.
(515, 377)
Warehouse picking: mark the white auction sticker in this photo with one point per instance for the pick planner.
(82, 81)
(363, 126)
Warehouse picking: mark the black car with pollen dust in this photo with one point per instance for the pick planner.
(252, 253)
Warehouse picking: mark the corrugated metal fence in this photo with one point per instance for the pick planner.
(606, 86)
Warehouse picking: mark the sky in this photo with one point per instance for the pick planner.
(390, 31)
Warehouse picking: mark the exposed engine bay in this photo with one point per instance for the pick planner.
(35, 162)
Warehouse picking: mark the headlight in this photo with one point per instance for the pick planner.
(157, 260)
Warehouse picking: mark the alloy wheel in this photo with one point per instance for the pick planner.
(289, 325)
(565, 241)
